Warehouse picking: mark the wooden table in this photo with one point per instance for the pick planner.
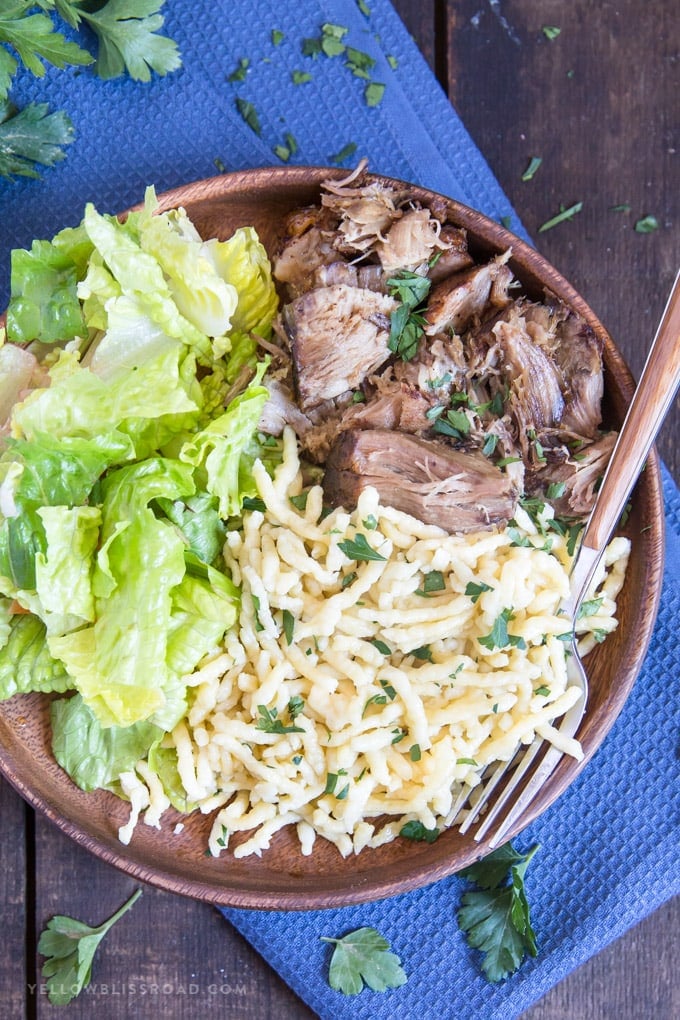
(598, 104)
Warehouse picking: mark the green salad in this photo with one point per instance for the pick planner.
(131, 391)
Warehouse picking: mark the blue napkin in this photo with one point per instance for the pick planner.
(609, 845)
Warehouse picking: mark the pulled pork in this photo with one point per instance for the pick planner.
(491, 395)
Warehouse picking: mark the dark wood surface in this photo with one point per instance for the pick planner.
(599, 105)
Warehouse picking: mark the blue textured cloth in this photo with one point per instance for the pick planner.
(609, 845)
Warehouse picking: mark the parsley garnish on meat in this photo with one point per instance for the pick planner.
(406, 321)
(495, 917)
(362, 957)
(551, 32)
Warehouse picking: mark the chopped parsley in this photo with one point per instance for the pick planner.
(589, 608)
(249, 114)
(530, 171)
(381, 646)
(646, 225)
(562, 215)
(432, 582)
(269, 723)
(241, 70)
(300, 77)
(551, 32)
(406, 321)
(474, 589)
(418, 833)
(499, 636)
(253, 503)
(358, 549)
(373, 93)
(347, 151)
(288, 625)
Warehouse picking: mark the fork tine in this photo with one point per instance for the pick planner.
(524, 764)
(544, 770)
(494, 779)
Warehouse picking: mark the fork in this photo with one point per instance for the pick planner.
(650, 404)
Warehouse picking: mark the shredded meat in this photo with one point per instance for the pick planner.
(525, 375)
(459, 299)
(456, 490)
(338, 335)
(579, 355)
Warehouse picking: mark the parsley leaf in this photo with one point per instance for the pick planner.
(496, 918)
(269, 723)
(474, 590)
(34, 40)
(530, 171)
(31, 136)
(433, 581)
(551, 32)
(418, 833)
(562, 215)
(249, 114)
(646, 225)
(499, 637)
(359, 549)
(69, 947)
(288, 625)
(128, 40)
(363, 957)
(373, 93)
(406, 321)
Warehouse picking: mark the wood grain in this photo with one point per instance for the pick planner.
(606, 137)
(598, 104)
(13, 902)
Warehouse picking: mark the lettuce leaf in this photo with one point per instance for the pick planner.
(93, 756)
(226, 450)
(79, 403)
(64, 571)
(140, 275)
(25, 661)
(44, 302)
(202, 295)
(163, 761)
(243, 261)
(118, 663)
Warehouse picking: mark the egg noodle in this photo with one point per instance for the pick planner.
(367, 681)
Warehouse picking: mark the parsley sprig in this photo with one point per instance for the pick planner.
(128, 42)
(69, 947)
(406, 321)
(363, 957)
(496, 917)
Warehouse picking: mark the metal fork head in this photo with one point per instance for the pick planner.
(508, 806)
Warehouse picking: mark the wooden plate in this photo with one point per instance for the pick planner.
(283, 878)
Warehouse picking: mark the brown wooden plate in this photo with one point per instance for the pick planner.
(282, 878)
